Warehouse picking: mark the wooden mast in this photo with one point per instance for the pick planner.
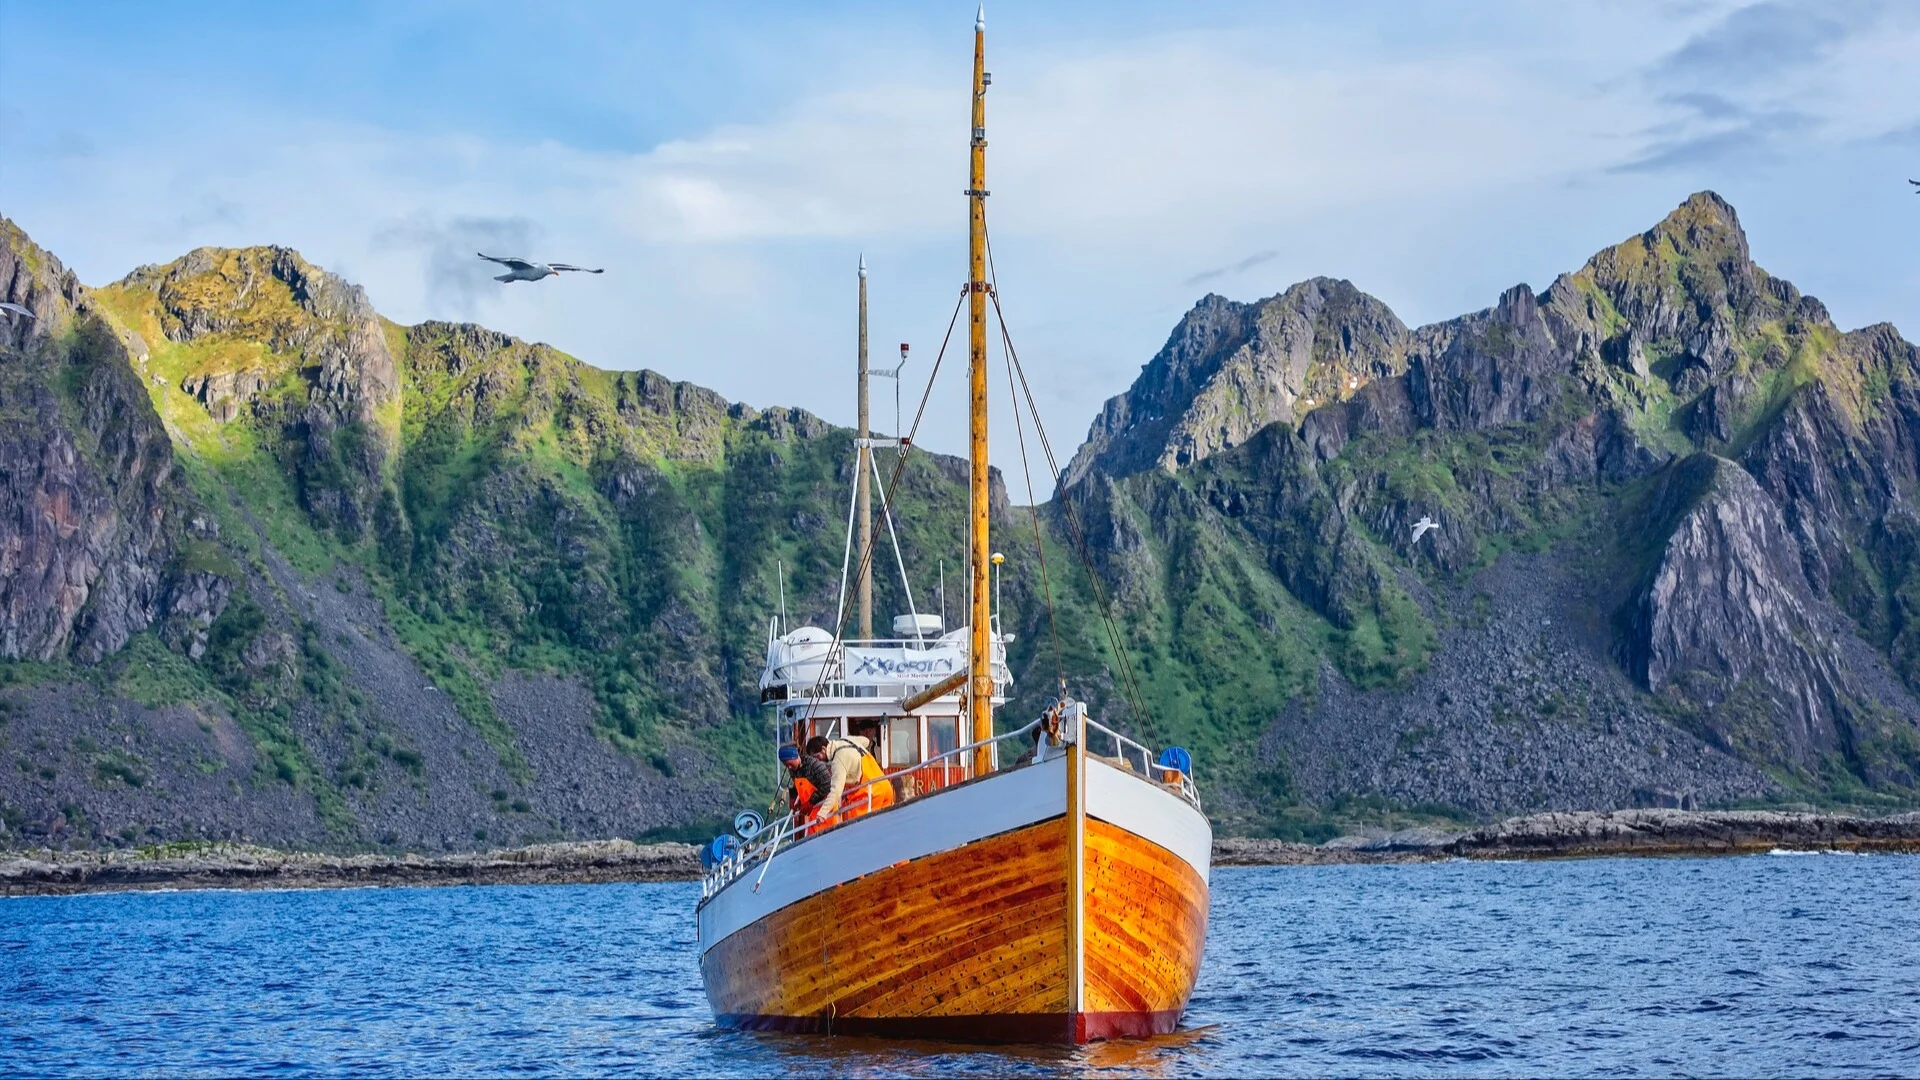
(980, 640)
(863, 506)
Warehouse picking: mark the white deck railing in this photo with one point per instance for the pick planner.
(782, 832)
(768, 841)
(1124, 750)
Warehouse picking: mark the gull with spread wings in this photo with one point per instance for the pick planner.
(525, 270)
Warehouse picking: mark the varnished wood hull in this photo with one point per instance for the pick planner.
(1052, 924)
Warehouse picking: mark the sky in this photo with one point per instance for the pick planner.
(729, 163)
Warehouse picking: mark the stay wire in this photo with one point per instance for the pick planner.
(1129, 681)
(899, 466)
(1033, 504)
(1129, 686)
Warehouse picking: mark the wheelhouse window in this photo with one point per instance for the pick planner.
(903, 741)
(943, 734)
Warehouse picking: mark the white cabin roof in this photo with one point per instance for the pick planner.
(807, 663)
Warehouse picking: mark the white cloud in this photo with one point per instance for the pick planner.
(1433, 175)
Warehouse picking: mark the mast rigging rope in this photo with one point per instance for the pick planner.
(899, 466)
(1130, 685)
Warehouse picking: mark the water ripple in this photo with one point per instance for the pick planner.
(1603, 968)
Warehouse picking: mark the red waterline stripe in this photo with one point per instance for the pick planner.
(983, 1027)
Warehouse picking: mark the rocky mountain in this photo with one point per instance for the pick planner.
(1230, 370)
(98, 547)
(276, 569)
(1664, 571)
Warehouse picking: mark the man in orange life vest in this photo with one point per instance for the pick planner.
(809, 786)
(853, 769)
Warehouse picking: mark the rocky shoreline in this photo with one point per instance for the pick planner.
(1582, 834)
(243, 866)
(1591, 833)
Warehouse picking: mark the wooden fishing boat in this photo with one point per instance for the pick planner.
(1046, 884)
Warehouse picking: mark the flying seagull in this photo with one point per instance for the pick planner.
(522, 270)
(1915, 183)
(1420, 527)
(15, 309)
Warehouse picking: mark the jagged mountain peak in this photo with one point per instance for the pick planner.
(261, 332)
(1697, 254)
(1230, 369)
(33, 278)
(1704, 222)
(1706, 333)
(1684, 288)
(268, 293)
(1681, 305)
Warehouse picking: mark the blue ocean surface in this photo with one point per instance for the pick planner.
(1754, 966)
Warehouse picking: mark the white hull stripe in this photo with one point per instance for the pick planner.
(1147, 810)
(924, 826)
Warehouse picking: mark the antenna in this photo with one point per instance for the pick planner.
(780, 569)
(894, 374)
(896, 402)
(996, 560)
(943, 595)
(862, 457)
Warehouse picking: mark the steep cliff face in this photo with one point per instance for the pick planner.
(1728, 624)
(1840, 458)
(1488, 369)
(99, 541)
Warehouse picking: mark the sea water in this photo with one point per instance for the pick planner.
(1759, 965)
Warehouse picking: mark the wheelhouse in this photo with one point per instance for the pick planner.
(819, 686)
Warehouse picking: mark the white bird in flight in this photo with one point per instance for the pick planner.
(16, 309)
(1420, 527)
(523, 270)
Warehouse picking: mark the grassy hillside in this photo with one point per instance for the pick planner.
(408, 530)
(534, 513)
